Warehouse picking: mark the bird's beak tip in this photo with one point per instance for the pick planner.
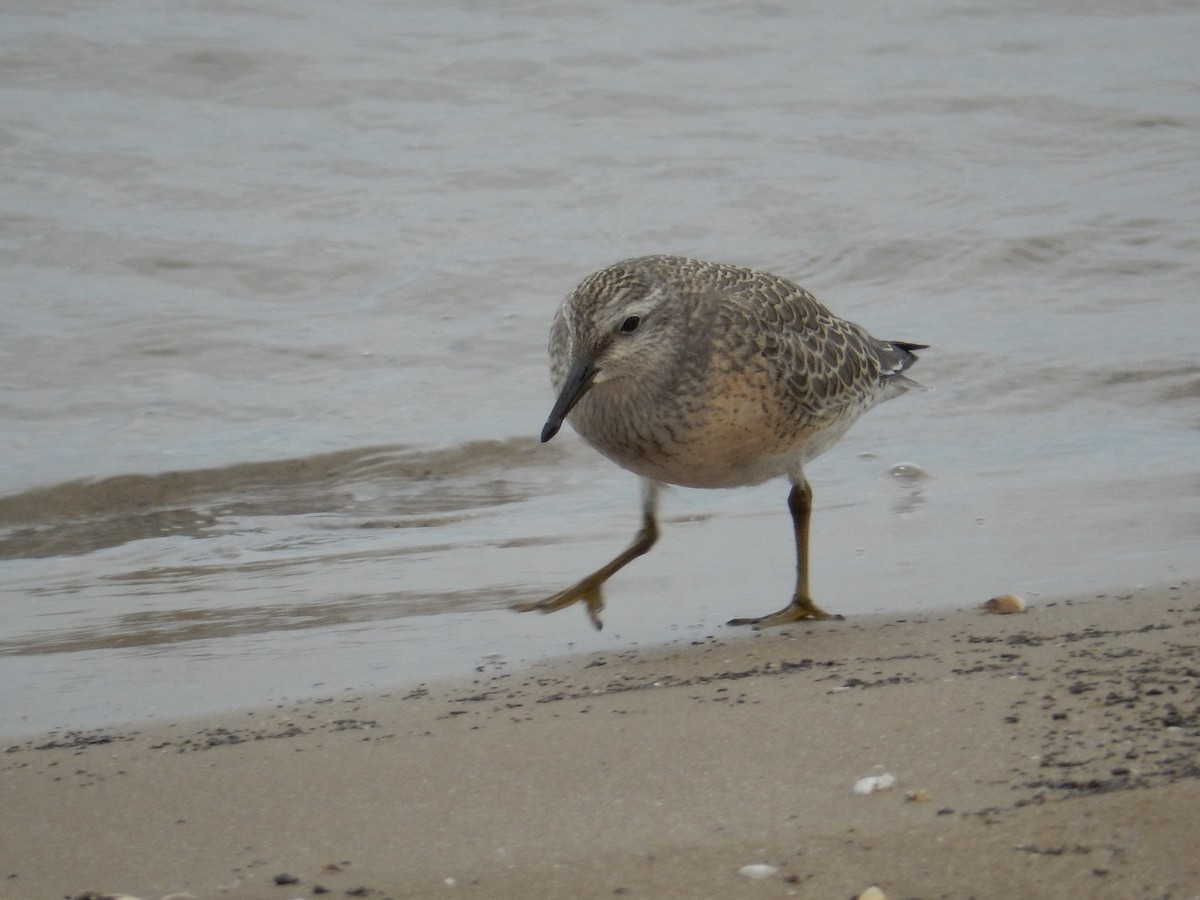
(578, 379)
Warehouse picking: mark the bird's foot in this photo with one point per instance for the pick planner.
(798, 610)
(586, 591)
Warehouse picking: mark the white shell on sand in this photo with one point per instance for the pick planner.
(872, 893)
(872, 784)
(757, 871)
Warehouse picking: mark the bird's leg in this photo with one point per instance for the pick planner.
(588, 589)
(802, 606)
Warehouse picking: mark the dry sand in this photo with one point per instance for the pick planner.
(1054, 753)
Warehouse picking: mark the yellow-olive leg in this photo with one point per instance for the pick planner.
(588, 589)
(802, 606)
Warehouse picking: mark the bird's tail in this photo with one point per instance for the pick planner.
(895, 357)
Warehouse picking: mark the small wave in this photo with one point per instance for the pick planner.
(151, 631)
(81, 516)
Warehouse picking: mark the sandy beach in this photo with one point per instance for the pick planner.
(1053, 753)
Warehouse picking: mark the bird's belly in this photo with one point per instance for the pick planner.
(693, 467)
(734, 431)
(724, 448)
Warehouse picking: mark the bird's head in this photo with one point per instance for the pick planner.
(610, 328)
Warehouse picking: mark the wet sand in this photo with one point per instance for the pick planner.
(1054, 753)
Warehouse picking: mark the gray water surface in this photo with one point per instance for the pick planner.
(278, 280)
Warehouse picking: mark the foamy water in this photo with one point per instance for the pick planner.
(279, 277)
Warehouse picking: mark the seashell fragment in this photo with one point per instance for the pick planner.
(873, 784)
(872, 893)
(1004, 605)
(757, 871)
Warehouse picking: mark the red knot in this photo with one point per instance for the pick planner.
(711, 376)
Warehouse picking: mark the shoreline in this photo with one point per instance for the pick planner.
(1050, 753)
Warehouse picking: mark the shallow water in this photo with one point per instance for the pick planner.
(279, 277)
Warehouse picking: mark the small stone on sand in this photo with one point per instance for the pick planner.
(1004, 605)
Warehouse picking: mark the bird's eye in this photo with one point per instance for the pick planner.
(630, 325)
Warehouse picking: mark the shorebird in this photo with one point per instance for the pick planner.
(710, 376)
